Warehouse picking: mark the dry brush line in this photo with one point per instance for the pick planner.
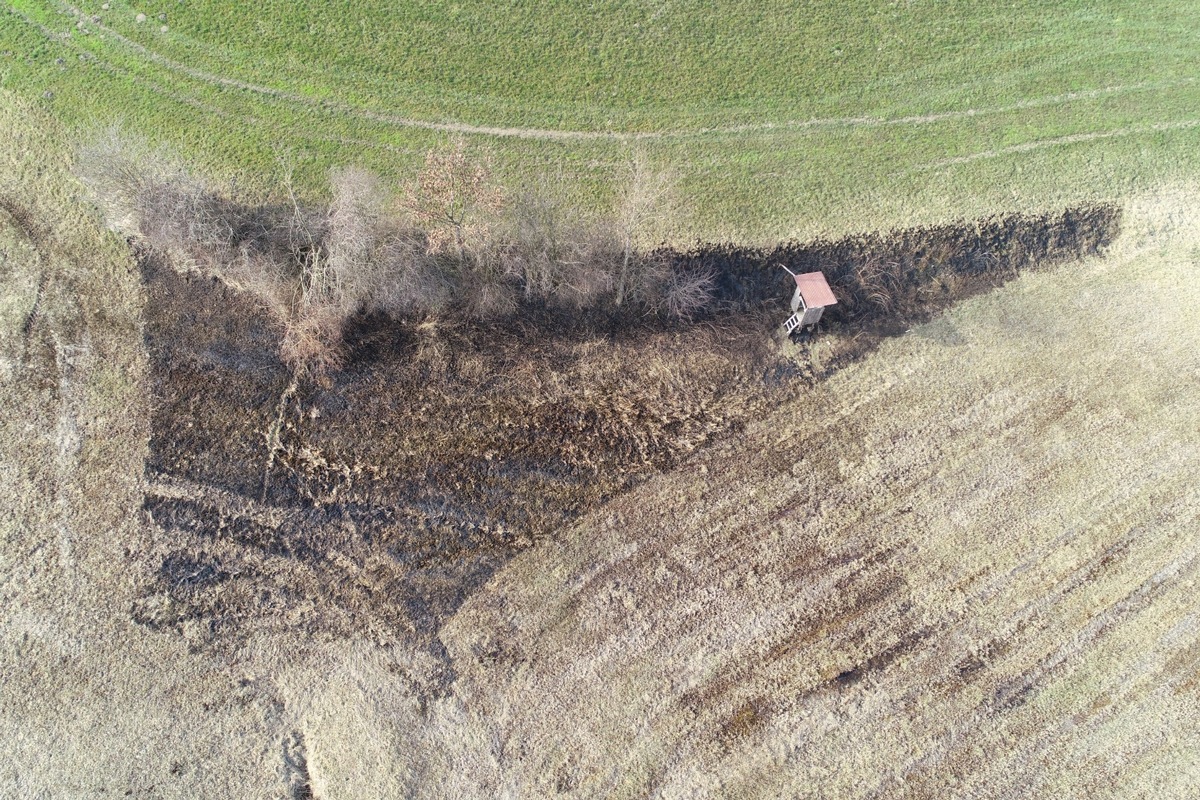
(451, 242)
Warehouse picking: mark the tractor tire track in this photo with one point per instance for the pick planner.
(1059, 141)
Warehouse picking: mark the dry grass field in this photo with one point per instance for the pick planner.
(964, 565)
(88, 703)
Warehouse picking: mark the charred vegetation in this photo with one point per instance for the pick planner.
(441, 447)
(364, 408)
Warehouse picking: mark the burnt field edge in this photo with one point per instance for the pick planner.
(884, 282)
(397, 485)
(876, 275)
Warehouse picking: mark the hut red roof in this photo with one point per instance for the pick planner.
(815, 290)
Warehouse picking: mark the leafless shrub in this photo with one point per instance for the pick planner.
(983, 261)
(647, 283)
(938, 254)
(540, 240)
(409, 280)
(684, 294)
(645, 201)
(878, 280)
(312, 338)
(145, 192)
(268, 280)
(115, 169)
(281, 259)
(583, 281)
(310, 311)
(487, 295)
(555, 254)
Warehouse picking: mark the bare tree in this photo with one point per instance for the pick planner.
(645, 202)
(454, 199)
(354, 224)
(457, 205)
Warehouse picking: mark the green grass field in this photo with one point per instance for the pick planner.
(779, 119)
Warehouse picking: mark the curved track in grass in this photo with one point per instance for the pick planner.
(769, 133)
(218, 80)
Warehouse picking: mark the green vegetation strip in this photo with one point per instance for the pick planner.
(779, 119)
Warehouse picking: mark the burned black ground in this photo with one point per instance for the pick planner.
(441, 449)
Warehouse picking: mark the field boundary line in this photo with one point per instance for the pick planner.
(551, 134)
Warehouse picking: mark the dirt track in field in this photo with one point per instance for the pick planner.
(1077, 138)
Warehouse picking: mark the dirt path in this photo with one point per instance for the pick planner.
(549, 134)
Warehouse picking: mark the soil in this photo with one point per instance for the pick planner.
(402, 482)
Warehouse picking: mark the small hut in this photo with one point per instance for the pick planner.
(812, 296)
